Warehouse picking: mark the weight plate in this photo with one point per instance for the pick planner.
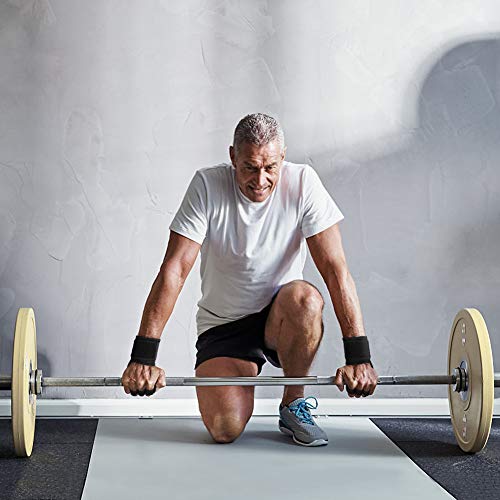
(24, 363)
(472, 410)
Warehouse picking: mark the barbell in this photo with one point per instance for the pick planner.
(470, 379)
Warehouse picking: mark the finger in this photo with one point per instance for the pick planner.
(353, 393)
(125, 385)
(338, 380)
(133, 387)
(136, 386)
(139, 383)
(369, 388)
(364, 389)
(357, 393)
(161, 382)
(150, 389)
(351, 382)
(150, 386)
(154, 381)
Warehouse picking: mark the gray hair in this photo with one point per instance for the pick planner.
(258, 129)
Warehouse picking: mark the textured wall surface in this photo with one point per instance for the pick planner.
(108, 107)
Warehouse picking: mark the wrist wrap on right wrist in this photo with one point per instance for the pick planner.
(357, 350)
(145, 350)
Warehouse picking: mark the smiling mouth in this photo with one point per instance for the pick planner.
(259, 191)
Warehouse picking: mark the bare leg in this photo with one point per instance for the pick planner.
(294, 328)
(225, 410)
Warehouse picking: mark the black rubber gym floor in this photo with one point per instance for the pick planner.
(58, 466)
(431, 444)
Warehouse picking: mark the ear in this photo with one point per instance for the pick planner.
(231, 154)
(283, 153)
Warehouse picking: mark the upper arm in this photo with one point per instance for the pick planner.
(181, 254)
(319, 210)
(191, 219)
(327, 252)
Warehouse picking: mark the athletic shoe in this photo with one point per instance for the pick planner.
(296, 421)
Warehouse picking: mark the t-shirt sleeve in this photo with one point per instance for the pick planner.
(191, 218)
(319, 210)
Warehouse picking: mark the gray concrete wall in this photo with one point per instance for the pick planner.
(108, 107)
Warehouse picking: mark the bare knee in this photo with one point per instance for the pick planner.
(226, 428)
(310, 299)
(303, 299)
(301, 304)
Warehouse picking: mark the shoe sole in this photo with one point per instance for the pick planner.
(316, 442)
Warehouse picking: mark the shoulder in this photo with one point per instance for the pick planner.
(297, 174)
(220, 171)
(216, 177)
(297, 170)
(214, 183)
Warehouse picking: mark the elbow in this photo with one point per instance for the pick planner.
(171, 270)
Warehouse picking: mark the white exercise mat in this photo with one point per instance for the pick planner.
(176, 458)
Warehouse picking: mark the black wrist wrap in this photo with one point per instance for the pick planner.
(357, 350)
(145, 350)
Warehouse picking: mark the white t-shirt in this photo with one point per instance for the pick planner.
(250, 249)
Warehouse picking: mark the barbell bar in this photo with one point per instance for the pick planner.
(470, 372)
(5, 382)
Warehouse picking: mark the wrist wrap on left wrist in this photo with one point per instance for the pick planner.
(144, 350)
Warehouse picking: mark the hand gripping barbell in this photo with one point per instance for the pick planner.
(470, 381)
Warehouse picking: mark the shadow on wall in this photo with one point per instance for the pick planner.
(422, 227)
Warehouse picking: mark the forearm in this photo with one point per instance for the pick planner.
(346, 304)
(161, 301)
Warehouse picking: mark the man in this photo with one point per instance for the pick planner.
(252, 219)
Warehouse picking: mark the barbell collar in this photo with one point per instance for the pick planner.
(5, 383)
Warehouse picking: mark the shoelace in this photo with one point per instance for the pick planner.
(301, 410)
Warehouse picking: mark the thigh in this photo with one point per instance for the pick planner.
(236, 401)
(288, 304)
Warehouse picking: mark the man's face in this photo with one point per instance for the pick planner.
(257, 168)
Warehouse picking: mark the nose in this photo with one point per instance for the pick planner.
(261, 180)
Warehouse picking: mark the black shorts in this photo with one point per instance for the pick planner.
(243, 339)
